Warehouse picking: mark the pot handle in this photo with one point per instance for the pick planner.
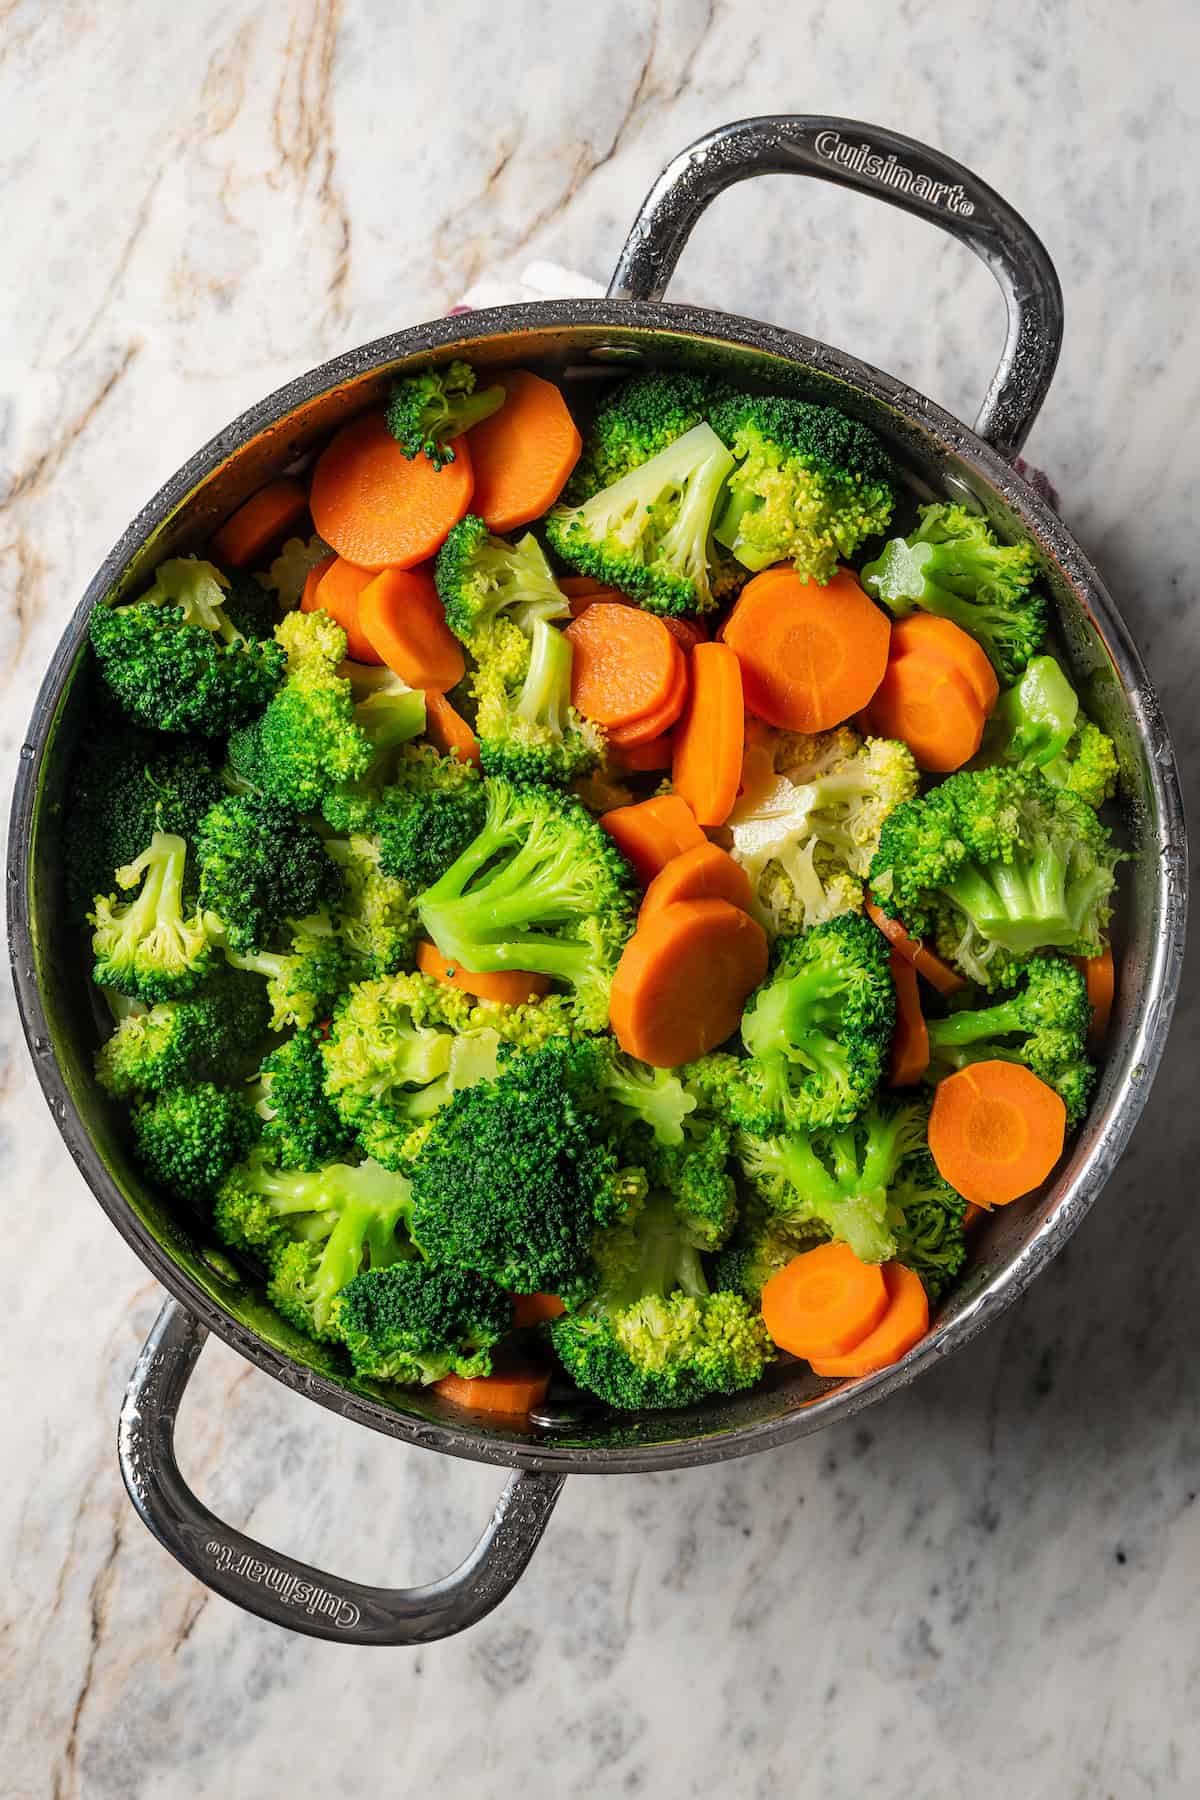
(277, 1587)
(897, 169)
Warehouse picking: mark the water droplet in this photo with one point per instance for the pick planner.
(26, 752)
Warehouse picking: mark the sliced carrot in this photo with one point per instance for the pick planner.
(401, 617)
(645, 839)
(1101, 977)
(536, 1309)
(381, 509)
(624, 663)
(706, 872)
(928, 704)
(707, 769)
(683, 980)
(810, 655)
(937, 973)
(687, 633)
(995, 1131)
(903, 1324)
(823, 1302)
(313, 580)
(582, 591)
(448, 731)
(909, 1056)
(518, 1389)
(338, 593)
(653, 724)
(263, 520)
(507, 987)
(678, 818)
(643, 758)
(942, 637)
(523, 453)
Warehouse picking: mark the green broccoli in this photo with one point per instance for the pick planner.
(415, 1322)
(187, 1138)
(808, 486)
(650, 532)
(485, 583)
(147, 947)
(954, 565)
(1042, 1023)
(304, 981)
(663, 1125)
(427, 411)
(527, 728)
(261, 865)
(653, 1335)
(761, 1244)
(176, 661)
(1036, 722)
(374, 916)
(640, 417)
(302, 1129)
(428, 816)
(250, 606)
(181, 1041)
(928, 1219)
(994, 864)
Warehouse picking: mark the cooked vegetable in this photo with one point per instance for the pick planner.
(401, 617)
(448, 731)
(302, 1129)
(337, 588)
(416, 1322)
(995, 1131)
(513, 1390)
(259, 522)
(683, 979)
(641, 417)
(937, 973)
(186, 1138)
(707, 766)
(289, 575)
(940, 639)
(484, 582)
(651, 833)
(379, 508)
(261, 865)
(810, 655)
(507, 987)
(705, 872)
(303, 982)
(426, 412)
(432, 808)
(824, 1302)
(1037, 723)
(904, 1324)
(523, 453)
(1042, 1023)
(148, 947)
(182, 1041)
(651, 725)
(929, 705)
(625, 663)
(128, 787)
(1101, 977)
(908, 1057)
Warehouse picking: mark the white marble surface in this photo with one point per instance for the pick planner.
(986, 1587)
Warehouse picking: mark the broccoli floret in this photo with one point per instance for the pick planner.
(808, 486)
(176, 661)
(954, 565)
(653, 1335)
(761, 1245)
(250, 606)
(124, 789)
(301, 1128)
(181, 1041)
(261, 865)
(541, 887)
(147, 947)
(1042, 1023)
(426, 411)
(374, 915)
(1088, 767)
(398, 1049)
(291, 569)
(928, 1219)
(807, 843)
(428, 817)
(527, 728)
(417, 1321)
(1037, 722)
(316, 735)
(994, 864)
(683, 1146)
(649, 533)
(304, 981)
(637, 420)
(517, 1173)
(485, 582)
(187, 1138)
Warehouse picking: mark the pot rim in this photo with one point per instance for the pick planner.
(1162, 977)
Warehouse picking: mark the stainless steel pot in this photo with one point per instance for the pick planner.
(580, 341)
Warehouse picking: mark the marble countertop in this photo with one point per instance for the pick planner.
(986, 1586)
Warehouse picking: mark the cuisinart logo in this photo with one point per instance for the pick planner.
(315, 1600)
(860, 159)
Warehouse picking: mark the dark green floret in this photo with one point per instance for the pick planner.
(303, 982)
(640, 417)
(954, 565)
(301, 1128)
(427, 411)
(251, 607)
(928, 1219)
(1042, 1023)
(1037, 723)
(374, 915)
(147, 946)
(176, 661)
(484, 581)
(415, 1322)
(426, 816)
(187, 1138)
(261, 865)
(183, 1041)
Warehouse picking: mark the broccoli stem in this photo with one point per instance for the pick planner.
(546, 694)
(970, 1027)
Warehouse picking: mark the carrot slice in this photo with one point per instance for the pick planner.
(507, 987)
(401, 617)
(823, 1302)
(995, 1131)
(942, 637)
(646, 839)
(642, 758)
(536, 1309)
(517, 1389)
(683, 979)
(1101, 978)
(583, 591)
(623, 665)
(678, 818)
(687, 633)
(810, 655)
(259, 522)
(381, 509)
(448, 731)
(313, 580)
(338, 593)
(903, 1324)
(909, 1057)
(654, 724)
(937, 973)
(707, 769)
(705, 872)
(523, 453)
(928, 704)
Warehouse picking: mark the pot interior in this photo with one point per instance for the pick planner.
(939, 457)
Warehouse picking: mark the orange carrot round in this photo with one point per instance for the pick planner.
(653, 724)
(536, 1309)
(523, 453)
(624, 662)
(937, 973)
(909, 1057)
(506, 987)
(707, 769)
(583, 591)
(1101, 978)
(642, 758)
(313, 580)
(903, 1324)
(381, 509)
(705, 872)
(679, 819)
(995, 1131)
(823, 1302)
(401, 617)
(810, 655)
(338, 593)
(927, 633)
(264, 519)
(516, 1389)
(683, 980)
(646, 840)
(448, 731)
(926, 703)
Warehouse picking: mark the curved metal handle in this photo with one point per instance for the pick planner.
(893, 168)
(277, 1587)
